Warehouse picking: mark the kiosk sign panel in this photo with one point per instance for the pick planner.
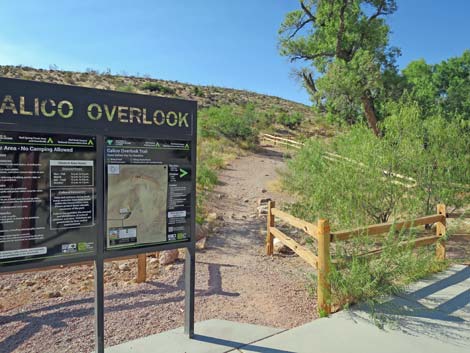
(148, 191)
(47, 196)
(88, 174)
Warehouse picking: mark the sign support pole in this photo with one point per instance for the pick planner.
(99, 261)
(189, 279)
(99, 307)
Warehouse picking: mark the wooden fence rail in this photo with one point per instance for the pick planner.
(399, 179)
(324, 237)
(282, 141)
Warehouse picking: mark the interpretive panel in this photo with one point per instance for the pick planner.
(47, 196)
(148, 191)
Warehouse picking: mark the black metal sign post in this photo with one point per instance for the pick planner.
(90, 175)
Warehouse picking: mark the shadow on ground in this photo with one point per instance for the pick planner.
(439, 309)
(55, 316)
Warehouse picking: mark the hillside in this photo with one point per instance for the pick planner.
(206, 96)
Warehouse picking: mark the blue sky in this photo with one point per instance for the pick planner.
(230, 43)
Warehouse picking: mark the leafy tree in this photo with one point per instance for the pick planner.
(345, 44)
(444, 87)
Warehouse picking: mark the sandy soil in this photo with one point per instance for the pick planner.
(52, 311)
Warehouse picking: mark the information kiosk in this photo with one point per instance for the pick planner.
(89, 175)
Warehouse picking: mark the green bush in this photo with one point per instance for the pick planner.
(289, 120)
(227, 122)
(206, 176)
(431, 154)
(157, 87)
(126, 88)
(198, 92)
(370, 279)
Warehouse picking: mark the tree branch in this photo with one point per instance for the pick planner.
(307, 11)
(340, 52)
(299, 27)
(301, 56)
(379, 11)
(309, 81)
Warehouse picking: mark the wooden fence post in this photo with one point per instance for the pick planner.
(324, 288)
(441, 232)
(270, 223)
(141, 268)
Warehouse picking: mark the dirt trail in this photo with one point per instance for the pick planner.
(268, 291)
(234, 280)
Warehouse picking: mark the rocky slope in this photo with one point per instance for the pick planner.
(206, 96)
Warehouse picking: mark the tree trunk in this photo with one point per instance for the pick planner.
(369, 110)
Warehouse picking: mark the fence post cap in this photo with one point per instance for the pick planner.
(323, 226)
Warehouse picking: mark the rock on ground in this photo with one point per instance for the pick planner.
(168, 257)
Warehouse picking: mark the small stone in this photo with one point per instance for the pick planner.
(263, 201)
(280, 248)
(124, 267)
(154, 261)
(264, 191)
(55, 294)
(168, 257)
(262, 210)
(201, 231)
(201, 244)
(30, 283)
(246, 200)
(211, 217)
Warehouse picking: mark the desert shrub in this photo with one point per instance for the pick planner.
(157, 87)
(370, 279)
(206, 176)
(198, 92)
(265, 120)
(431, 154)
(228, 122)
(289, 120)
(126, 88)
(434, 152)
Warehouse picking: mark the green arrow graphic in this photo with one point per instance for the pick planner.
(110, 142)
(183, 173)
(90, 142)
(50, 140)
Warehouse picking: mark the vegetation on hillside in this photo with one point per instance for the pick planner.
(206, 96)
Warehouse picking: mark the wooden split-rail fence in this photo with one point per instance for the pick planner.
(403, 180)
(321, 232)
(277, 140)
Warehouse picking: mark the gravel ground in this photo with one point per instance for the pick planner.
(52, 311)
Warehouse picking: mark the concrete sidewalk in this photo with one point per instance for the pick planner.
(433, 316)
